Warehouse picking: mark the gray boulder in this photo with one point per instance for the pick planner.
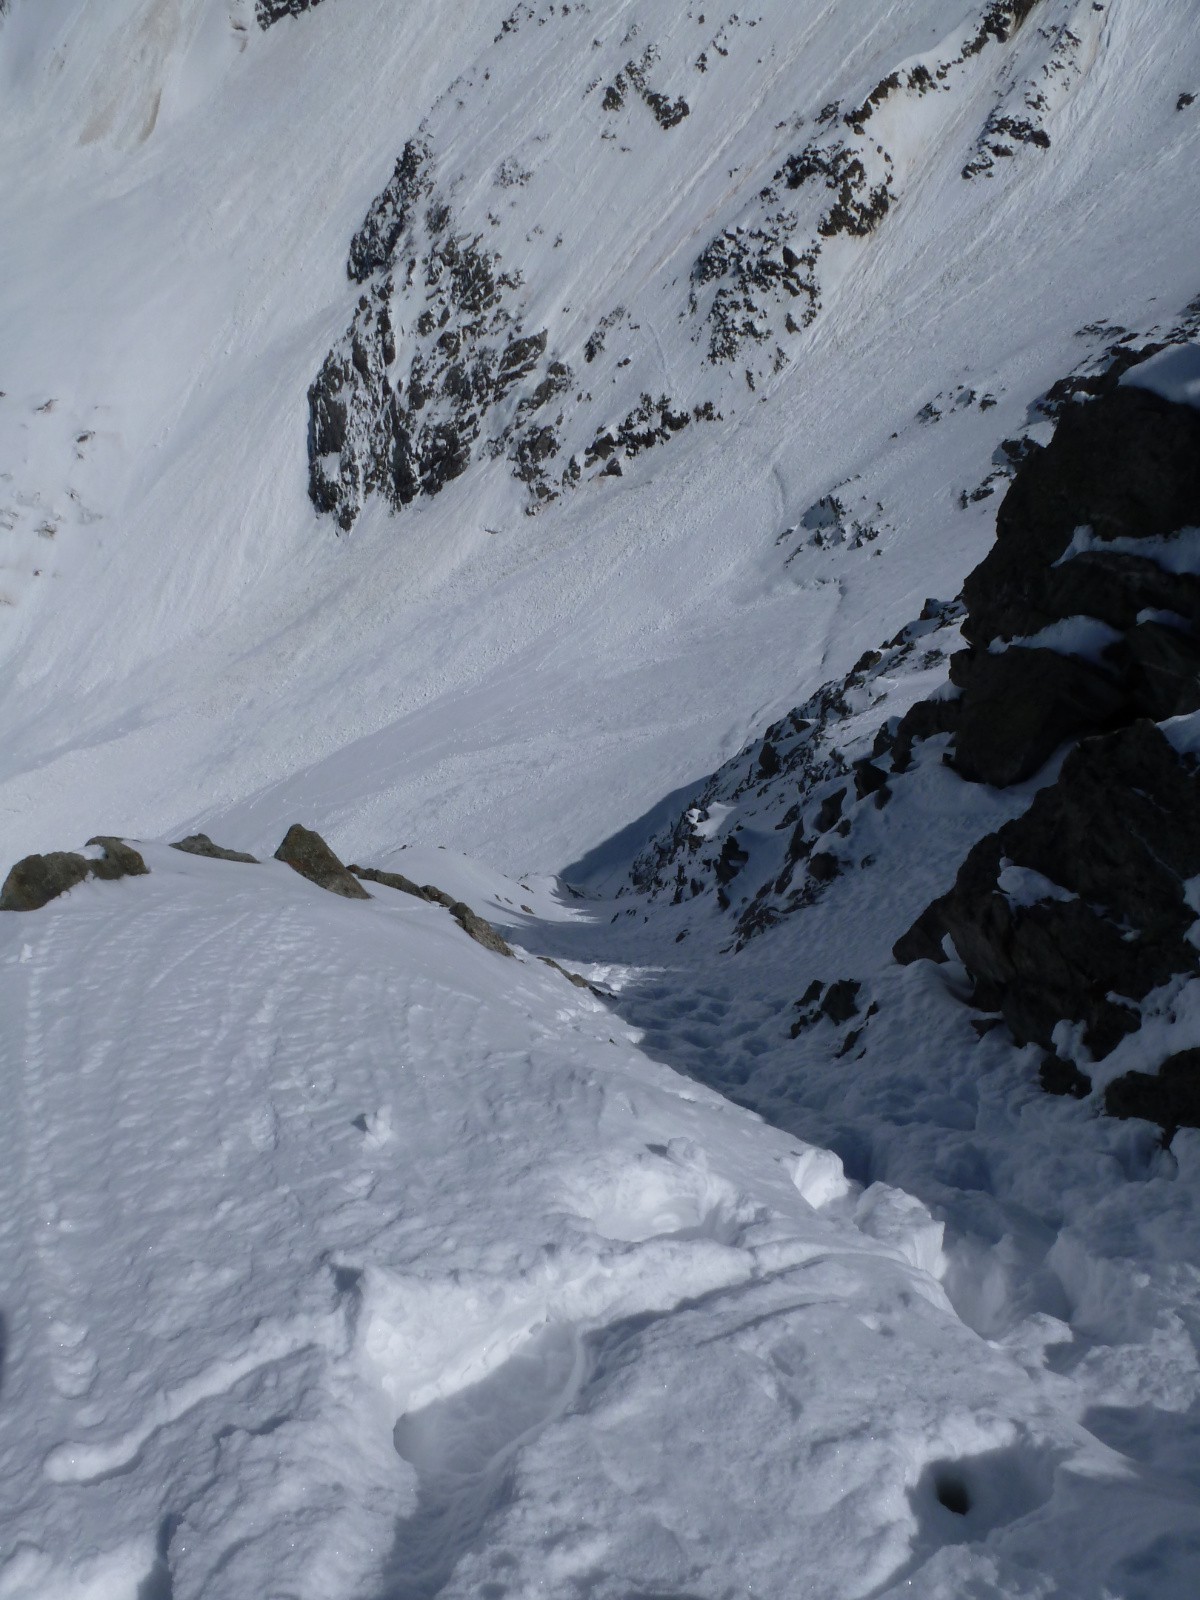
(308, 854)
(36, 880)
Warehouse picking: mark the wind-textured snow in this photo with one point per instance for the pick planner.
(339, 1256)
(333, 1236)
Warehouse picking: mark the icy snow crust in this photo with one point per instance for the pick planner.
(341, 1257)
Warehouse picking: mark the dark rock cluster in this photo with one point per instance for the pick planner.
(403, 421)
(1077, 909)
(666, 112)
(1091, 528)
(1075, 912)
(267, 12)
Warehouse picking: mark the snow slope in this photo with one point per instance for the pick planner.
(332, 1235)
(196, 643)
(341, 1257)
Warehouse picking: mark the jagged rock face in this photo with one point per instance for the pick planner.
(470, 343)
(1096, 526)
(1077, 910)
(1127, 466)
(1082, 899)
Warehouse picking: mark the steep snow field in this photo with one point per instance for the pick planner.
(196, 644)
(338, 1255)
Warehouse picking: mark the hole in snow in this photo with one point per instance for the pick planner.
(960, 1501)
(952, 1492)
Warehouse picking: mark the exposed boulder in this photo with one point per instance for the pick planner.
(1077, 909)
(308, 854)
(476, 928)
(36, 880)
(199, 844)
(120, 860)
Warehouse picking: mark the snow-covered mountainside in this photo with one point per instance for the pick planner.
(699, 509)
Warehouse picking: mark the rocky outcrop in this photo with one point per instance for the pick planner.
(404, 417)
(308, 854)
(474, 926)
(1076, 910)
(267, 12)
(1127, 467)
(36, 880)
(465, 345)
(199, 844)
(1083, 627)
(760, 280)
(1085, 615)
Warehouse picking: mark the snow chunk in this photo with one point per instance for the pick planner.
(820, 1177)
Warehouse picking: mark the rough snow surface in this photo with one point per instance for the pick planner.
(345, 1257)
(334, 1237)
(341, 1259)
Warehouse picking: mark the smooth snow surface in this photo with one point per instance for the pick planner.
(343, 1259)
